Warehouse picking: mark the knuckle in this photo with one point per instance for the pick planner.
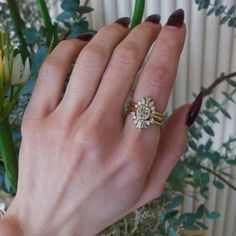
(168, 47)
(49, 67)
(126, 54)
(92, 54)
(158, 76)
(70, 45)
(110, 29)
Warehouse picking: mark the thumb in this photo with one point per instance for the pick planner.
(171, 147)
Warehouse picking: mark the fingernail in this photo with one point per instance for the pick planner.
(155, 18)
(194, 110)
(124, 21)
(176, 18)
(86, 36)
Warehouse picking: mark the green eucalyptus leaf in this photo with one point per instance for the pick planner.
(211, 11)
(211, 116)
(31, 35)
(219, 10)
(173, 232)
(231, 82)
(232, 22)
(231, 10)
(202, 225)
(70, 5)
(200, 211)
(38, 59)
(192, 144)
(218, 184)
(177, 201)
(214, 215)
(228, 96)
(188, 219)
(224, 19)
(85, 9)
(78, 28)
(208, 130)
(225, 113)
(64, 16)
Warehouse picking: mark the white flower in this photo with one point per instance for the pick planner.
(20, 72)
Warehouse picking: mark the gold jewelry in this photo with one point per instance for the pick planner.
(144, 113)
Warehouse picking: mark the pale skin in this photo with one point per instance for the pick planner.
(83, 164)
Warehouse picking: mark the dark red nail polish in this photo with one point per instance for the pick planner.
(194, 110)
(176, 18)
(124, 21)
(86, 36)
(155, 18)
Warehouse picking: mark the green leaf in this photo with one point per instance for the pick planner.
(31, 35)
(188, 219)
(219, 10)
(228, 96)
(70, 5)
(173, 232)
(211, 11)
(78, 28)
(231, 82)
(208, 144)
(211, 116)
(224, 19)
(232, 22)
(208, 130)
(38, 60)
(200, 211)
(225, 113)
(218, 184)
(214, 102)
(231, 162)
(199, 120)
(64, 16)
(214, 215)
(205, 191)
(201, 225)
(177, 201)
(231, 10)
(85, 9)
(192, 144)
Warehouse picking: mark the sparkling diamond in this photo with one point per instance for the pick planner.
(143, 112)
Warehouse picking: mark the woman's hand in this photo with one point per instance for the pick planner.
(83, 164)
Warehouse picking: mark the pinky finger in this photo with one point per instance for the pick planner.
(172, 146)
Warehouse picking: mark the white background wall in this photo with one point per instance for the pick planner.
(210, 49)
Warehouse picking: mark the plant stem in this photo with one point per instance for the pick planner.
(219, 80)
(8, 152)
(219, 177)
(138, 13)
(18, 23)
(43, 9)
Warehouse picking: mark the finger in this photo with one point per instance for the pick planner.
(172, 146)
(159, 73)
(50, 82)
(125, 63)
(91, 64)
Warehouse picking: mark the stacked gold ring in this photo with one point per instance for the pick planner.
(144, 113)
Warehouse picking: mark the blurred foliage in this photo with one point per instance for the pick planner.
(201, 167)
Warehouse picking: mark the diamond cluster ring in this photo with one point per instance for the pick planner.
(144, 113)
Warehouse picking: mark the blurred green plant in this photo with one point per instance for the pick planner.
(35, 34)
